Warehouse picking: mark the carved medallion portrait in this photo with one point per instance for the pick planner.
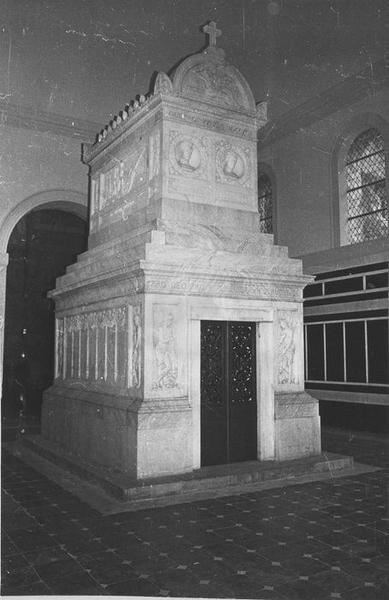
(232, 164)
(187, 156)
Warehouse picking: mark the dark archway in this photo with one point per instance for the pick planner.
(42, 244)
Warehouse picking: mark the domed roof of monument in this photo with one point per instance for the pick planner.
(208, 77)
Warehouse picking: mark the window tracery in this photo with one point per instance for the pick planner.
(265, 203)
(366, 203)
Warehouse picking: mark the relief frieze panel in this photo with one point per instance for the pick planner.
(120, 183)
(122, 177)
(96, 347)
(109, 317)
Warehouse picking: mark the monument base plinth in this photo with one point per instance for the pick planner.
(129, 436)
(207, 481)
(297, 425)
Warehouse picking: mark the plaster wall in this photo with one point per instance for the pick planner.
(33, 162)
(37, 169)
(307, 218)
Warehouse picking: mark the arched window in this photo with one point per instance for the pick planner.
(367, 210)
(265, 203)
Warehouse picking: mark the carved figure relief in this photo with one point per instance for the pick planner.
(154, 154)
(165, 349)
(136, 348)
(286, 348)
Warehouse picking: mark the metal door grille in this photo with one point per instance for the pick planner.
(228, 392)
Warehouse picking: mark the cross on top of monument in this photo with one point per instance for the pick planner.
(213, 33)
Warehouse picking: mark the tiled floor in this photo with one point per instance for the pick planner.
(327, 539)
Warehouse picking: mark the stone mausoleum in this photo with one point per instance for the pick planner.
(179, 333)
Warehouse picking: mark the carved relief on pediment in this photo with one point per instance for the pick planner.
(209, 78)
(211, 83)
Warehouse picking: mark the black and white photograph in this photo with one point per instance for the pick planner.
(194, 299)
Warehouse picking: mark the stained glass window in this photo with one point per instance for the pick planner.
(265, 203)
(367, 210)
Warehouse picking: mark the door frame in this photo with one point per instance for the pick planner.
(264, 337)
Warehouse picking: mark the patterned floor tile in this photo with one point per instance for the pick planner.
(19, 577)
(36, 588)
(318, 540)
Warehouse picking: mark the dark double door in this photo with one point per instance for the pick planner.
(228, 392)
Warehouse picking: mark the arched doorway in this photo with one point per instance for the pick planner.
(42, 244)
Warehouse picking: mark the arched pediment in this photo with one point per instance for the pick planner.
(208, 77)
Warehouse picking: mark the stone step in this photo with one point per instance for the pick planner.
(228, 477)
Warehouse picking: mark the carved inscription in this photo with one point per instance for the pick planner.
(227, 288)
(212, 124)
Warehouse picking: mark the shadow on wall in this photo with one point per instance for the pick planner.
(41, 246)
(371, 418)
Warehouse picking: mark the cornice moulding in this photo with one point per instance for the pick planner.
(29, 117)
(346, 93)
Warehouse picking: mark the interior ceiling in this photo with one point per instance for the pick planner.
(88, 58)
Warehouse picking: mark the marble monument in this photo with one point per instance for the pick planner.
(174, 241)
